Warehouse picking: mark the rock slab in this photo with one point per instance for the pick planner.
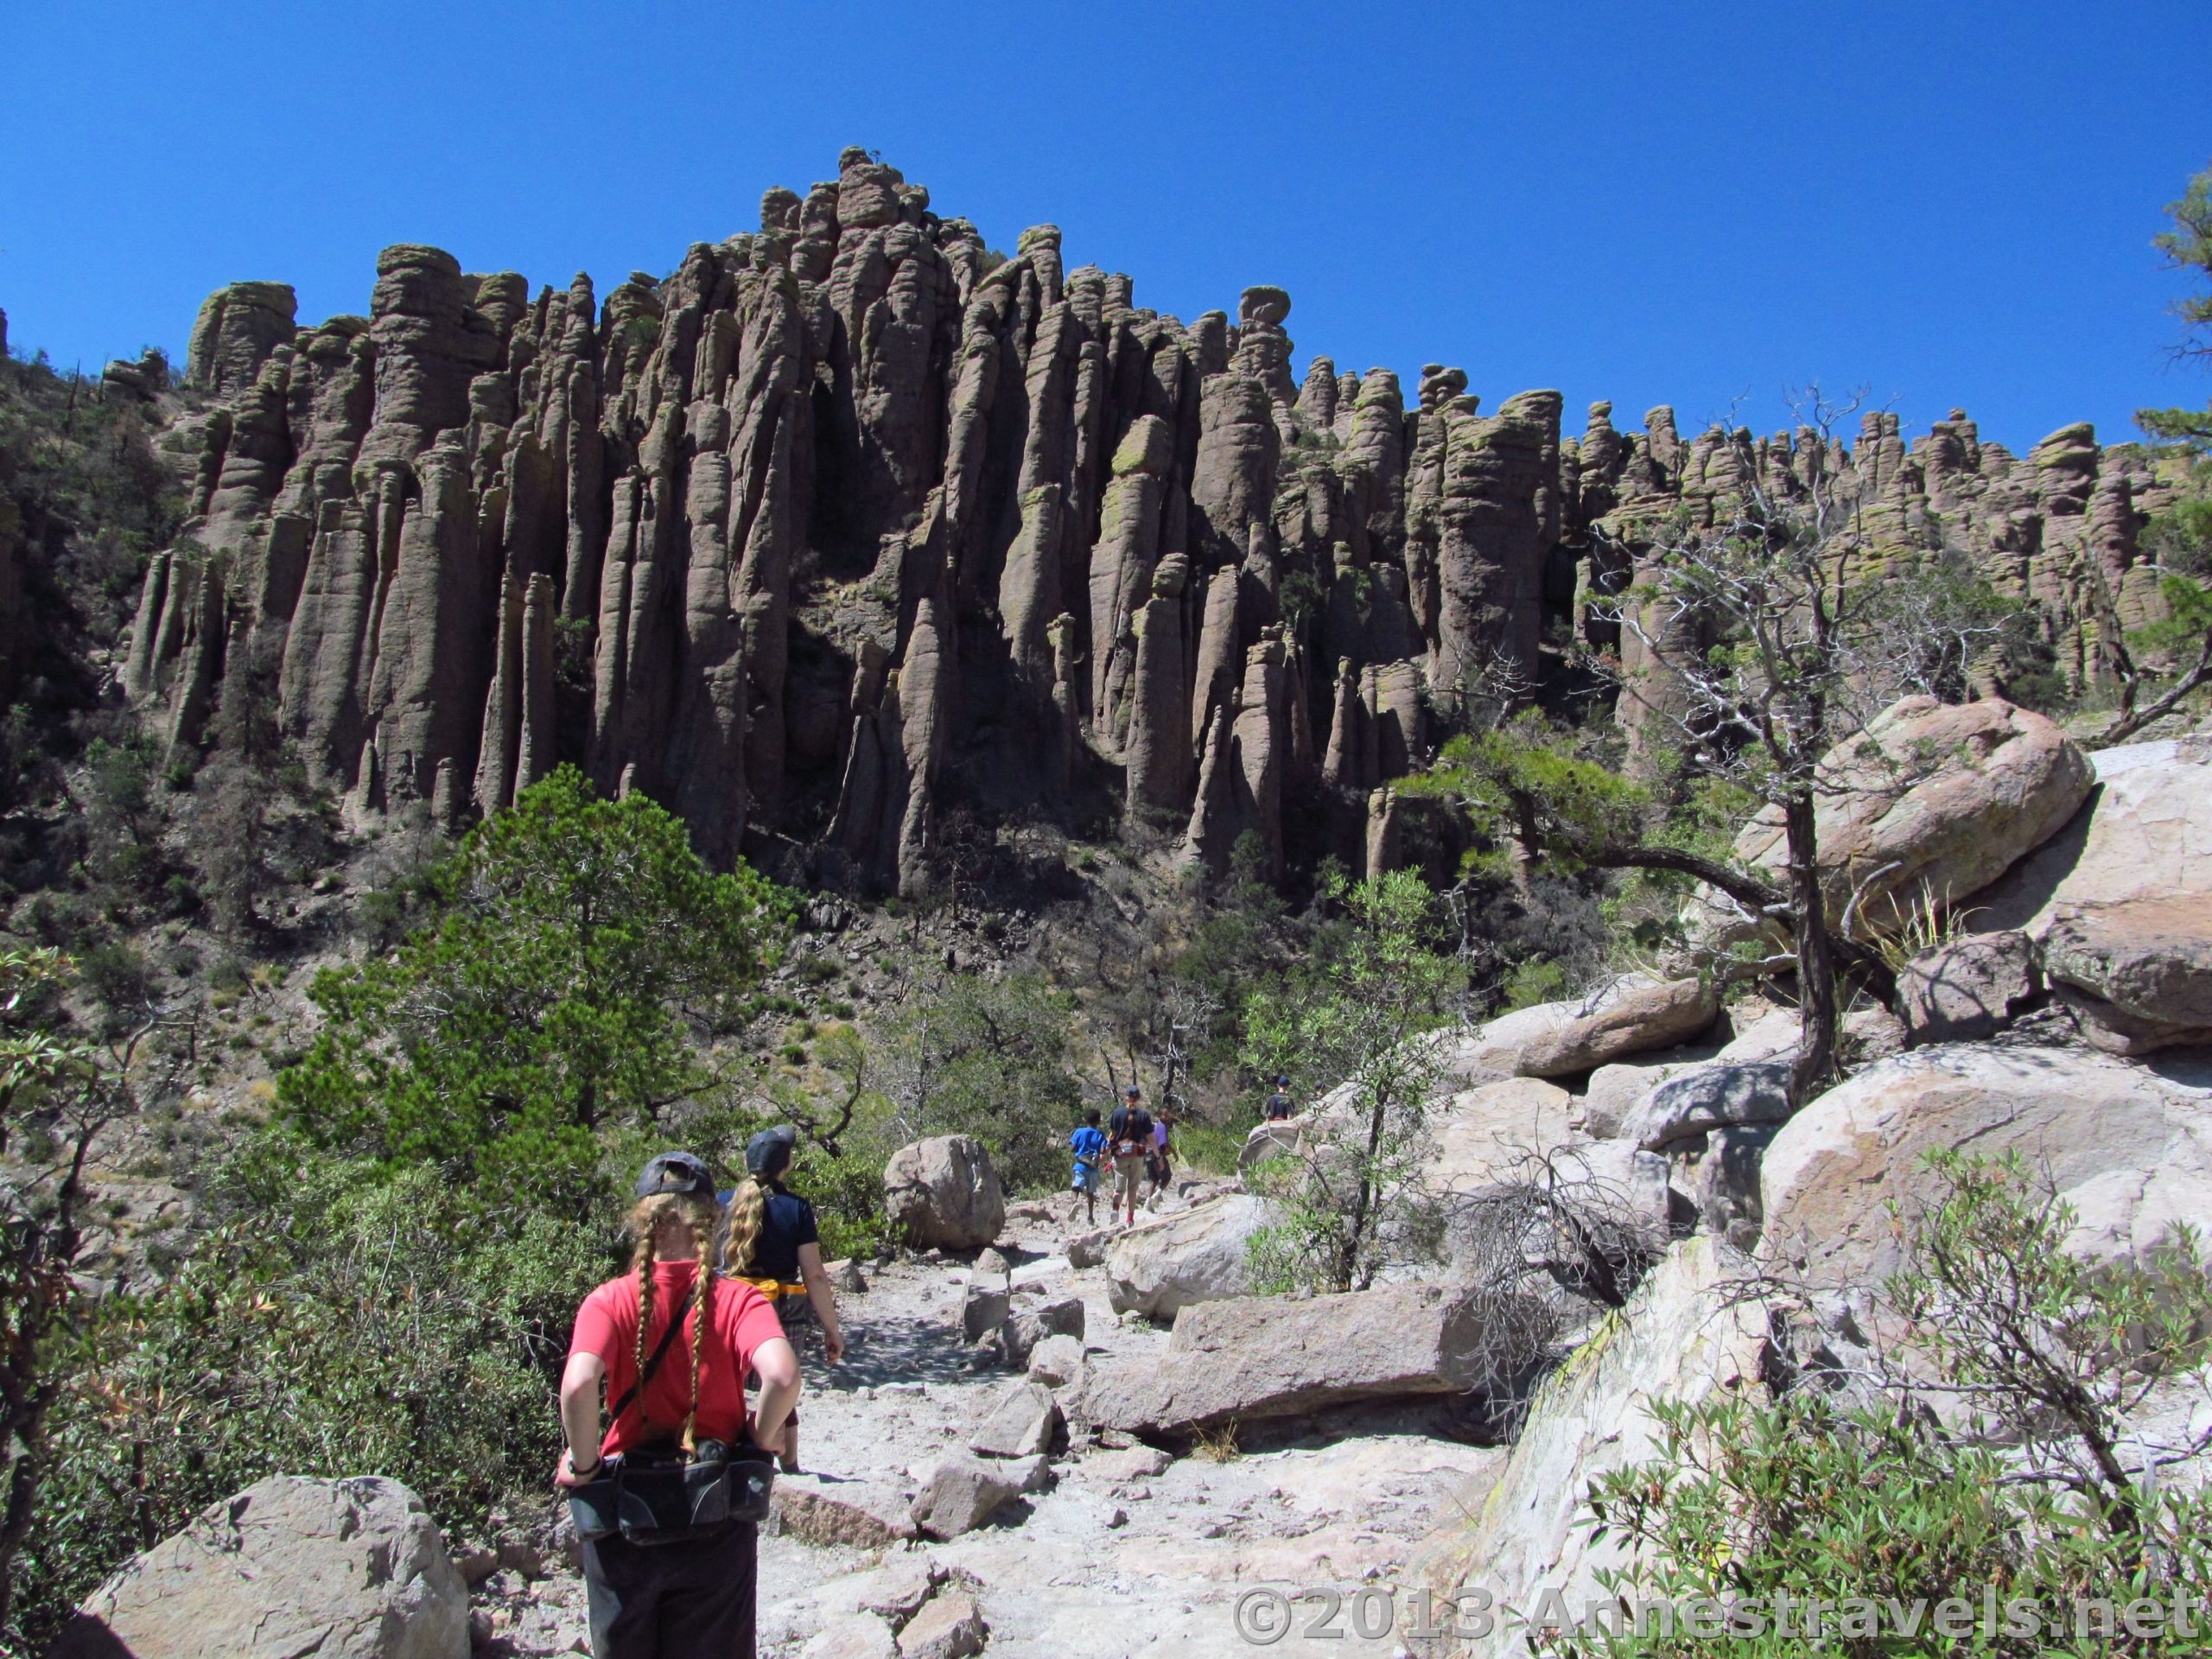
(342, 1569)
(1679, 1338)
(1258, 1356)
(2139, 970)
(2128, 1146)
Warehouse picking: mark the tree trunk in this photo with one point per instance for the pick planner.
(1816, 1069)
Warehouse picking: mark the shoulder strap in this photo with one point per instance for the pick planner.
(660, 1352)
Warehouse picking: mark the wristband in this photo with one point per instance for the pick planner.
(581, 1474)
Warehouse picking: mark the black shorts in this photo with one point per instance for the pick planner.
(659, 1600)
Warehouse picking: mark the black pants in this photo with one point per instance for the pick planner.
(673, 1601)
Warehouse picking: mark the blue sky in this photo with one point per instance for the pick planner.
(1695, 204)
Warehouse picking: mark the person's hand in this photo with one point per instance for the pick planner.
(774, 1445)
(566, 1477)
(833, 1344)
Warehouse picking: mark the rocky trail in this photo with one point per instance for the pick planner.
(1127, 1549)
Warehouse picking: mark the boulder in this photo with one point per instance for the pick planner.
(1159, 1267)
(1058, 1362)
(943, 1194)
(1279, 1139)
(1966, 990)
(1127, 1463)
(950, 1627)
(1615, 1090)
(828, 1513)
(1482, 1133)
(2145, 832)
(960, 1493)
(1714, 1097)
(1258, 1356)
(2130, 1147)
(1089, 1250)
(2139, 970)
(1024, 1422)
(1931, 803)
(344, 1569)
(1628, 1015)
(1681, 1337)
(1025, 1328)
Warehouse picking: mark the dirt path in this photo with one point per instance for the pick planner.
(1129, 1553)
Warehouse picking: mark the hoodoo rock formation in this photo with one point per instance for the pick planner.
(851, 518)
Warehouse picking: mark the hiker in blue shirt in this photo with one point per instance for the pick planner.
(1089, 1143)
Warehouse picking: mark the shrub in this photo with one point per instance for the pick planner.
(2026, 1481)
(329, 1321)
(578, 947)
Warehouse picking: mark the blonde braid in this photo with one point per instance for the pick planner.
(741, 1223)
(644, 1225)
(702, 1302)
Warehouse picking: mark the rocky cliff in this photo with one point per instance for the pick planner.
(850, 518)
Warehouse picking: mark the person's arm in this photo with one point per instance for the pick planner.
(580, 1420)
(777, 1366)
(824, 1299)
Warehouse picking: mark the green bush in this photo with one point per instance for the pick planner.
(990, 1058)
(331, 1320)
(2025, 1482)
(578, 948)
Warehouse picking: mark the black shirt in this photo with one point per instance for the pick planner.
(787, 1222)
(1279, 1106)
(1130, 1123)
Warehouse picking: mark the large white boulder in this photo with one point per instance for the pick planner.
(2146, 832)
(944, 1193)
(1931, 802)
(2129, 1146)
(1483, 1133)
(342, 1569)
(1160, 1267)
(1681, 1337)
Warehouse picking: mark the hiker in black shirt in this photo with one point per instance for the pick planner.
(1280, 1104)
(1129, 1143)
(785, 1262)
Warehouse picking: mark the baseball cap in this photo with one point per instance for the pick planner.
(769, 1153)
(676, 1173)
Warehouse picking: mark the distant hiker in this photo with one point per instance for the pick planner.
(1128, 1135)
(1159, 1161)
(1280, 1104)
(671, 1341)
(1089, 1142)
(785, 1264)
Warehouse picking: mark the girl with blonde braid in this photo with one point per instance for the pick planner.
(783, 1260)
(696, 1594)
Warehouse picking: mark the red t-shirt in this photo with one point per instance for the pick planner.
(606, 1324)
